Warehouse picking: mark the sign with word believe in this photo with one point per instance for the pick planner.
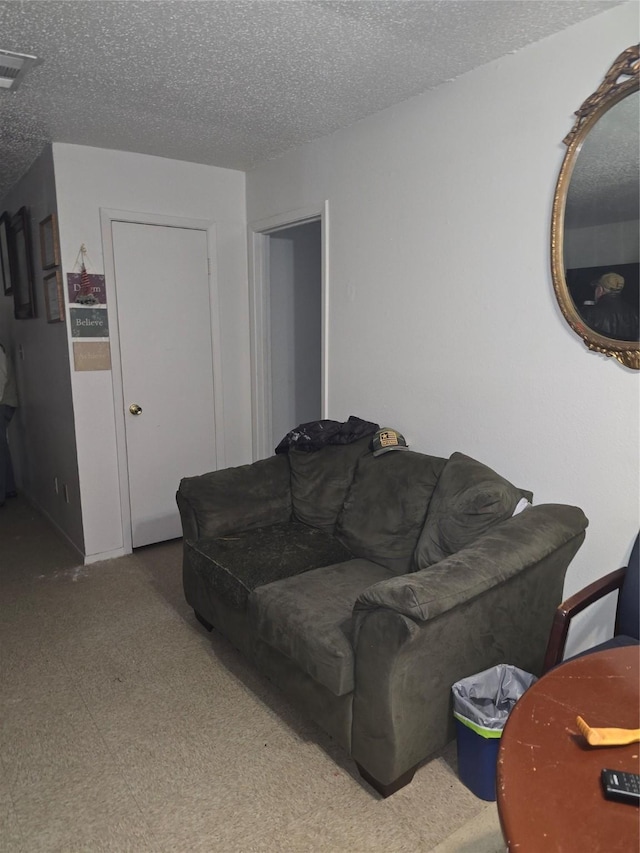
(89, 322)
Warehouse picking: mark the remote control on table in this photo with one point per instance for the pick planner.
(621, 786)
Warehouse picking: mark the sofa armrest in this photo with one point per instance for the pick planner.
(416, 635)
(571, 607)
(504, 551)
(234, 499)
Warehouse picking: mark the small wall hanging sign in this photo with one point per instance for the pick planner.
(89, 322)
(91, 355)
(85, 288)
(94, 289)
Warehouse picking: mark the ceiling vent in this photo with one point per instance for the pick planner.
(13, 67)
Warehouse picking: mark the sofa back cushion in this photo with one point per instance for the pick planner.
(386, 506)
(320, 480)
(468, 500)
(239, 498)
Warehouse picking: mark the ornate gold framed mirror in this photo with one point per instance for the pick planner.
(595, 228)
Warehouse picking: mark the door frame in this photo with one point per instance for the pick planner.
(107, 217)
(259, 232)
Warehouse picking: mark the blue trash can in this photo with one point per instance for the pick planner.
(481, 706)
(477, 757)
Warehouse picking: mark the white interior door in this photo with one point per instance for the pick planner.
(165, 331)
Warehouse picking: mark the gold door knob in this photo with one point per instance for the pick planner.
(135, 409)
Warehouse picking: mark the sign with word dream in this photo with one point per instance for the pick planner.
(97, 287)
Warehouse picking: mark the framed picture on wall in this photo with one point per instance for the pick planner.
(22, 271)
(5, 248)
(54, 300)
(49, 243)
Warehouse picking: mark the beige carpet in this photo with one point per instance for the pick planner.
(126, 727)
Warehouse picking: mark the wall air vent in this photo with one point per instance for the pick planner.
(13, 67)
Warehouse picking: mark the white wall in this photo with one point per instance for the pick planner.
(42, 431)
(443, 320)
(88, 179)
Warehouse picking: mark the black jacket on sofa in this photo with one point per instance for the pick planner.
(315, 435)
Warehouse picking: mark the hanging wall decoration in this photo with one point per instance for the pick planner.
(5, 248)
(89, 322)
(95, 355)
(85, 288)
(49, 243)
(88, 316)
(53, 297)
(24, 306)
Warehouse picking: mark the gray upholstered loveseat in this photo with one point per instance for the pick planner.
(365, 586)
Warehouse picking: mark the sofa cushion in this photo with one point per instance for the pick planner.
(320, 480)
(234, 565)
(287, 616)
(230, 499)
(386, 506)
(468, 500)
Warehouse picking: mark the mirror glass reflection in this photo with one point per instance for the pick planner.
(602, 224)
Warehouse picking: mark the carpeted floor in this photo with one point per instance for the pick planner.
(126, 727)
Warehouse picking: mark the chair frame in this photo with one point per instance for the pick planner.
(574, 605)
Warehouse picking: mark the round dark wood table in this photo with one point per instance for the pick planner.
(549, 793)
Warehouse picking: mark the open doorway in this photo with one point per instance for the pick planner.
(295, 316)
(288, 326)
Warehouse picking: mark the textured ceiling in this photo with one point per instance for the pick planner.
(235, 82)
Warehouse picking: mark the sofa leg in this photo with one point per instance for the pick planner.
(392, 787)
(203, 621)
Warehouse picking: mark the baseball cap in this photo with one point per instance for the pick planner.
(387, 439)
(611, 282)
